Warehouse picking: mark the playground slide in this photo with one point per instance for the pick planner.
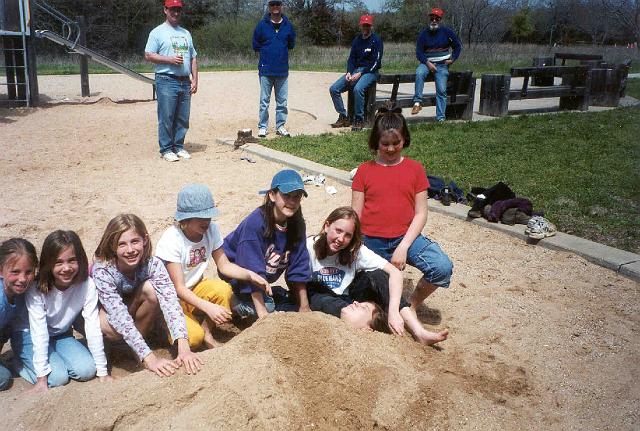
(55, 37)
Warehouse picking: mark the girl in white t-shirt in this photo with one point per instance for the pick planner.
(186, 249)
(51, 355)
(353, 283)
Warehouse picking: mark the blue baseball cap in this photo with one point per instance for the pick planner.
(195, 201)
(286, 181)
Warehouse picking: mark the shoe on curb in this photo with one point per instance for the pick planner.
(183, 154)
(533, 221)
(357, 126)
(283, 132)
(170, 156)
(416, 109)
(541, 228)
(342, 121)
(262, 133)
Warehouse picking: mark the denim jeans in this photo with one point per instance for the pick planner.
(174, 106)
(280, 86)
(424, 254)
(5, 378)
(68, 358)
(242, 305)
(440, 78)
(359, 89)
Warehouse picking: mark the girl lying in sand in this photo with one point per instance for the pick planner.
(351, 282)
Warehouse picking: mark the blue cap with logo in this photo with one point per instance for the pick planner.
(286, 181)
(195, 201)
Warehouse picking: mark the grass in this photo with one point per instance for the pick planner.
(582, 170)
(398, 57)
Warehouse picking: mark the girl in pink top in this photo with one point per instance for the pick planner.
(389, 194)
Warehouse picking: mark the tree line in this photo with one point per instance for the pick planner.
(120, 29)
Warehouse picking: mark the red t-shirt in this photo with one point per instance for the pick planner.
(389, 196)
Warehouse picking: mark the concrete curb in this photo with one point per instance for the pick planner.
(623, 262)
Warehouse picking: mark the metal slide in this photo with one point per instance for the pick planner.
(55, 37)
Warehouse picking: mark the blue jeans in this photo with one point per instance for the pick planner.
(242, 305)
(359, 89)
(424, 254)
(280, 85)
(68, 358)
(5, 378)
(440, 77)
(174, 106)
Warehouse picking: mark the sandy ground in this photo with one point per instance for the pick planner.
(539, 339)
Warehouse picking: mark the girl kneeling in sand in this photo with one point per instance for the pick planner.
(133, 286)
(269, 242)
(353, 283)
(50, 354)
(186, 249)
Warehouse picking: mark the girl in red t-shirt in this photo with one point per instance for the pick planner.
(389, 194)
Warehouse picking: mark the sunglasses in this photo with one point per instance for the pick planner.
(434, 18)
(274, 3)
(175, 9)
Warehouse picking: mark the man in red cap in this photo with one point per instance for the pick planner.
(434, 52)
(362, 71)
(170, 48)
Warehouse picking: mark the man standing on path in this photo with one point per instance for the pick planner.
(170, 48)
(362, 71)
(433, 51)
(273, 37)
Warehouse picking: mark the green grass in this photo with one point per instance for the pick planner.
(582, 170)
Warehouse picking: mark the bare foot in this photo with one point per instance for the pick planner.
(209, 342)
(428, 338)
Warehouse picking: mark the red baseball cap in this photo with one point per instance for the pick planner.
(437, 12)
(366, 19)
(172, 3)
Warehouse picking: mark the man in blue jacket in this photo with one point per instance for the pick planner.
(273, 37)
(362, 71)
(433, 51)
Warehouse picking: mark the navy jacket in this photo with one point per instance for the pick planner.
(273, 47)
(365, 53)
(437, 44)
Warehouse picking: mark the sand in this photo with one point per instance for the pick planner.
(538, 338)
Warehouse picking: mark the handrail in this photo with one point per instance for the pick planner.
(68, 24)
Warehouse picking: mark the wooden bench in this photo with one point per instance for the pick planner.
(589, 60)
(460, 95)
(574, 91)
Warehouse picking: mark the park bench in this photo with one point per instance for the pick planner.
(460, 95)
(574, 91)
(589, 60)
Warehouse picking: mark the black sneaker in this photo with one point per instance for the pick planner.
(342, 121)
(357, 126)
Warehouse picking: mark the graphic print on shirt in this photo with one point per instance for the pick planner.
(275, 260)
(196, 257)
(329, 276)
(180, 45)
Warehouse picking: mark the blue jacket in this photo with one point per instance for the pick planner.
(437, 44)
(366, 54)
(273, 46)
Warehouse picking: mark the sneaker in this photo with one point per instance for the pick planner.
(283, 132)
(539, 228)
(357, 126)
(342, 121)
(416, 109)
(262, 133)
(170, 156)
(183, 154)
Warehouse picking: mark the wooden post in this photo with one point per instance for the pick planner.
(605, 86)
(494, 94)
(542, 81)
(579, 101)
(460, 83)
(84, 60)
(370, 105)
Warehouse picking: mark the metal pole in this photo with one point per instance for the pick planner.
(84, 60)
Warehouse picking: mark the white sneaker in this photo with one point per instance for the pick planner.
(184, 154)
(262, 133)
(283, 132)
(170, 156)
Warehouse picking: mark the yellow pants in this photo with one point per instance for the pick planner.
(215, 291)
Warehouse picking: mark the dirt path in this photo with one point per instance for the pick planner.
(539, 338)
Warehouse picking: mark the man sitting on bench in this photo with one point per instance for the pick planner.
(362, 71)
(433, 51)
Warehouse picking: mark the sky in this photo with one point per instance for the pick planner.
(374, 5)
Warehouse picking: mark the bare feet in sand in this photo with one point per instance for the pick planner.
(429, 338)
